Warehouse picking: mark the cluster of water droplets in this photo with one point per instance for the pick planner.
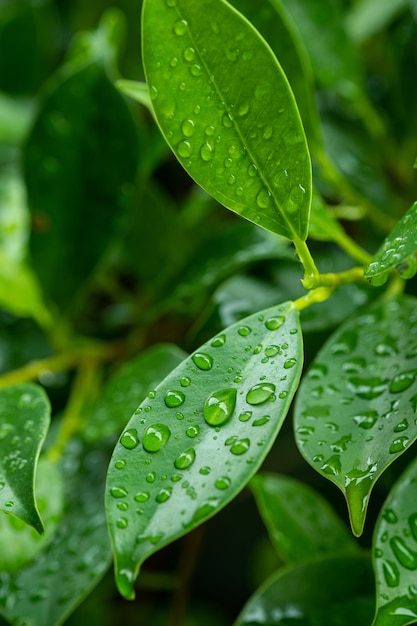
(399, 543)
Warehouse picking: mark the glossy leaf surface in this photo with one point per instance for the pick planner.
(24, 422)
(395, 554)
(47, 590)
(355, 411)
(397, 250)
(225, 107)
(328, 592)
(197, 439)
(128, 387)
(301, 524)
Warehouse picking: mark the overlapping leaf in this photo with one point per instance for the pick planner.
(395, 554)
(197, 439)
(328, 592)
(355, 412)
(24, 422)
(301, 524)
(227, 111)
(397, 251)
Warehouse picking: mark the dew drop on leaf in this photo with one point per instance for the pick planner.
(260, 393)
(219, 341)
(244, 331)
(245, 416)
(405, 555)
(402, 381)
(185, 459)
(391, 573)
(180, 27)
(129, 439)
(260, 421)
(203, 361)
(164, 495)
(398, 445)
(174, 398)
(240, 446)
(142, 496)
(273, 323)
(223, 482)
(118, 492)
(219, 406)
(155, 437)
(192, 431)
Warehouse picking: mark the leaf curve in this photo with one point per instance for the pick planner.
(197, 439)
(226, 109)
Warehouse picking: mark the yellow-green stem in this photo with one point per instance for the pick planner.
(313, 297)
(311, 272)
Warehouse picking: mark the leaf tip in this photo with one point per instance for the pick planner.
(125, 580)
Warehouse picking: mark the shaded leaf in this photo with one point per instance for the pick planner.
(370, 16)
(193, 444)
(24, 422)
(355, 411)
(241, 139)
(301, 524)
(128, 387)
(136, 90)
(328, 592)
(323, 225)
(395, 554)
(397, 251)
(46, 591)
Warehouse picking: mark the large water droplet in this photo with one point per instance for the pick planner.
(240, 446)
(273, 323)
(118, 492)
(366, 420)
(180, 27)
(405, 555)
(398, 445)
(223, 482)
(184, 149)
(401, 426)
(203, 361)
(332, 466)
(185, 459)
(129, 439)
(402, 381)
(155, 437)
(189, 54)
(244, 417)
(219, 406)
(188, 127)
(290, 363)
(260, 393)
(164, 495)
(207, 151)
(174, 398)
(391, 573)
(260, 421)
(244, 331)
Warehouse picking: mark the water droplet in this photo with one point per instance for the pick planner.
(207, 151)
(173, 62)
(332, 466)
(120, 464)
(142, 496)
(401, 426)
(227, 120)
(268, 131)
(239, 191)
(219, 406)
(260, 421)
(271, 351)
(195, 70)
(244, 417)
(174, 398)
(189, 54)
(264, 198)
(228, 162)
(185, 459)
(391, 573)
(118, 492)
(184, 149)
(289, 363)
(205, 470)
(240, 446)
(260, 393)
(273, 323)
(130, 439)
(366, 420)
(164, 495)
(188, 127)
(244, 331)
(219, 341)
(390, 516)
(368, 388)
(402, 381)
(155, 437)
(404, 554)
(203, 361)
(150, 478)
(185, 381)
(223, 482)
(398, 445)
(243, 109)
(180, 27)
(192, 431)
(412, 520)
(122, 523)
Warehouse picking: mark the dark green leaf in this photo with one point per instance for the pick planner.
(193, 444)
(301, 524)
(395, 554)
(79, 160)
(355, 412)
(24, 422)
(397, 251)
(15, 119)
(225, 107)
(337, 591)
(323, 225)
(128, 387)
(45, 592)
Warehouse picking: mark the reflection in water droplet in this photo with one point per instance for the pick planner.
(401, 426)
(223, 482)
(260, 393)
(219, 406)
(164, 495)
(240, 446)
(271, 351)
(398, 445)
(405, 555)
(118, 465)
(122, 523)
(174, 398)
(391, 573)
(155, 437)
(185, 381)
(402, 381)
(184, 149)
(203, 361)
(273, 323)
(129, 439)
(205, 470)
(185, 459)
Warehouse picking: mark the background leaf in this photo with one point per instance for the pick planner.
(395, 554)
(355, 411)
(301, 524)
(24, 421)
(197, 439)
(370, 16)
(334, 591)
(225, 107)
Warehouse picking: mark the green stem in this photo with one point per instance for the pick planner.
(352, 248)
(311, 272)
(313, 297)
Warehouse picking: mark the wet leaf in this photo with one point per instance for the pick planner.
(46, 592)
(197, 439)
(241, 140)
(397, 251)
(128, 387)
(395, 554)
(301, 524)
(24, 421)
(327, 592)
(355, 411)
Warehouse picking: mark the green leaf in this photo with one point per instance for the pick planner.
(226, 109)
(128, 387)
(24, 421)
(197, 439)
(323, 225)
(20, 543)
(355, 411)
(328, 592)
(397, 251)
(137, 91)
(301, 524)
(79, 160)
(395, 554)
(371, 16)
(46, 592)
(15, 119)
